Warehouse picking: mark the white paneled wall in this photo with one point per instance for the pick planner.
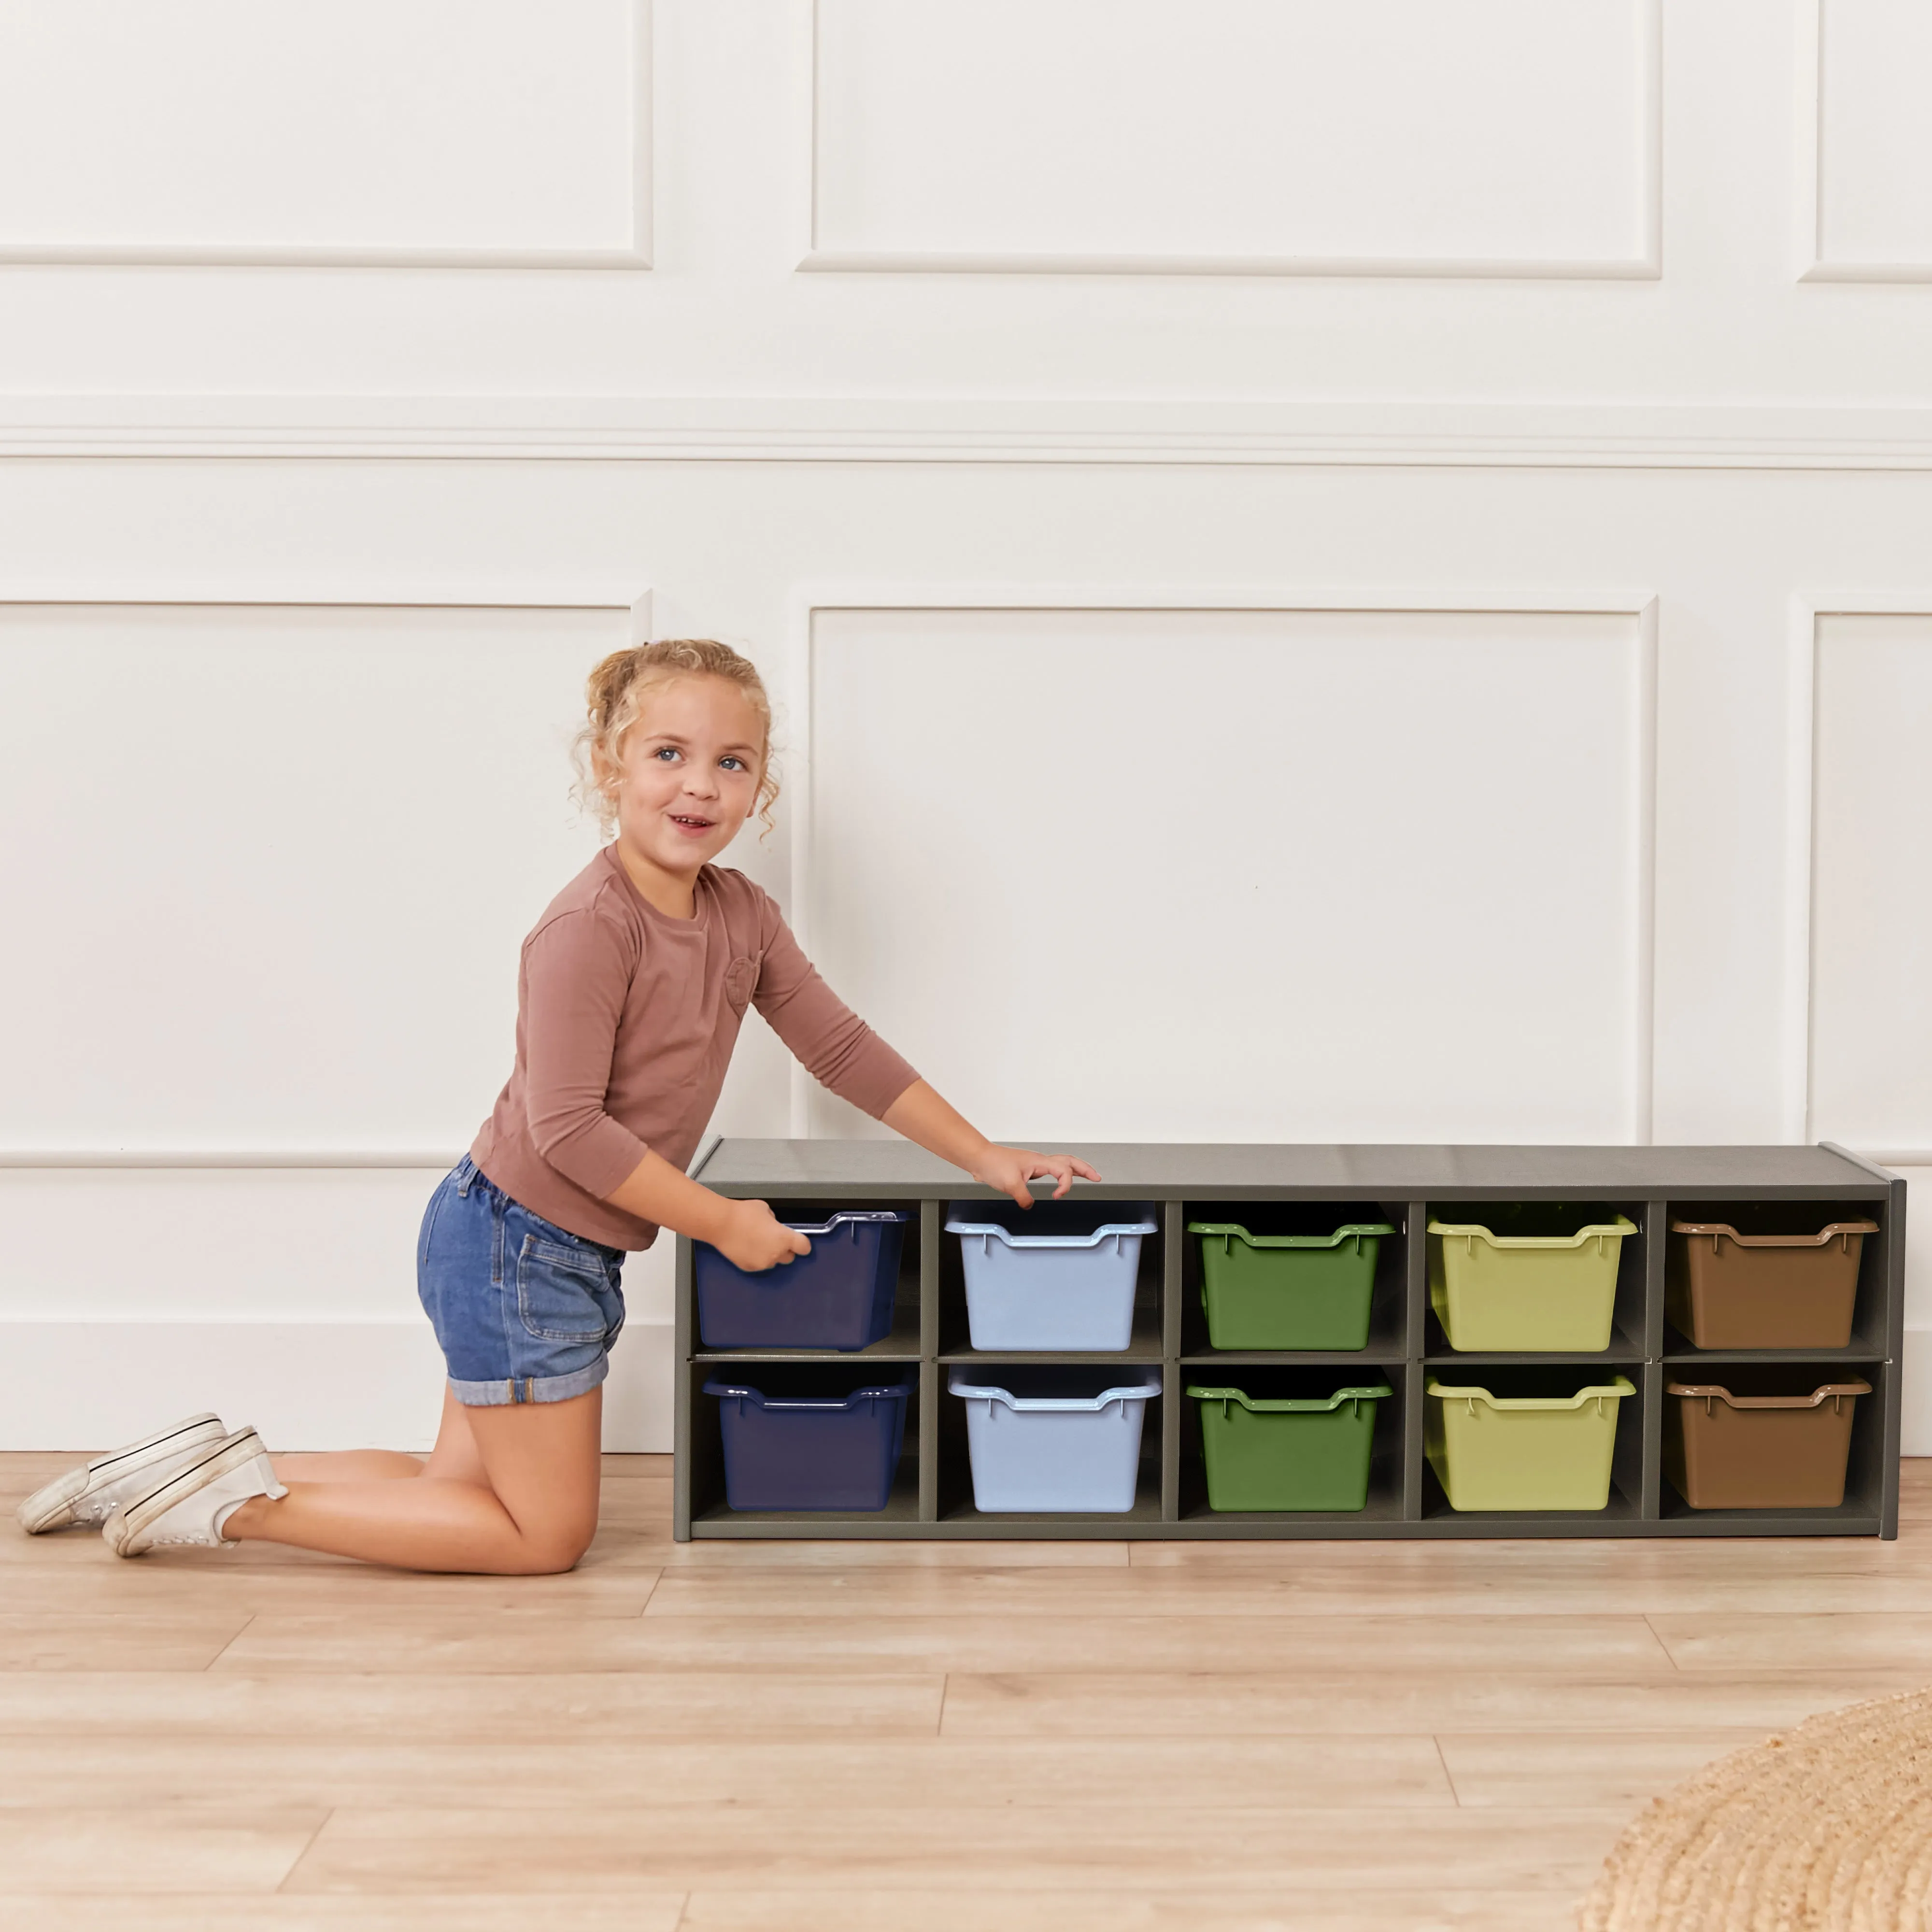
(1399, 135)
(1328, 570)
(1871, 69)
(261, 809)
(1870, 1020)
(486, 131)
(1188, 887)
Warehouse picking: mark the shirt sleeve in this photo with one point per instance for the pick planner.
(830, 1041)
(577, 972)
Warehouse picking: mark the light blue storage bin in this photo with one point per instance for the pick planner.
(1059, 1440)
(1059, 1274)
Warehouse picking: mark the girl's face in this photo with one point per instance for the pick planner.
(688, 777)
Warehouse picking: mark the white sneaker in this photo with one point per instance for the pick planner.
(194, 1503)
(91, 1493)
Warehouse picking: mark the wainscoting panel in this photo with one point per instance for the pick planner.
(1385, 136)
(434, 132)
(270, 843)
(1871, 165)
(1251, 874)
(1871, 911)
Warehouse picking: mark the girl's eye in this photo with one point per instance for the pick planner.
(665, 751)
(731, 764)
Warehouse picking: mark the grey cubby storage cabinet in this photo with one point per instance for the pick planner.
(933, 1495)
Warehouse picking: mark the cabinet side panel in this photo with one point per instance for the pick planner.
(1893, 1235)
(683, 1324)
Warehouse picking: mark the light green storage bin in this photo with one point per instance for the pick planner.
(1522, 1452)
(1511, 1283)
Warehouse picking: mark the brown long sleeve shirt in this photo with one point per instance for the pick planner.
(625, 1021)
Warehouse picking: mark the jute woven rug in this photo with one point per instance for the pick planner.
(1828, 1828)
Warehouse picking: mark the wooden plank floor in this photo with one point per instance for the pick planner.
(718, 1737)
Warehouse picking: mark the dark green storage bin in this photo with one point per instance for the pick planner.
(1288, 1454)
(1288, 1291)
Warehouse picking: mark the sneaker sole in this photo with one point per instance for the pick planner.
(126, 1524)
(51, 1507)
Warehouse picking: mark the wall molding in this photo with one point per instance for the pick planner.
(1647, 264)
(809, 601)
(305, 1383)
(1801, 857)
(195, 1159)
(1814, 266)
(635, 604)
(290, 594)
(951, 430)
(635, 254)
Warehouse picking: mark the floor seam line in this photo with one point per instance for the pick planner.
(295, 1863)
(1657, 1637)
(650, 1593)
(248, 1623)
(1441, 1758)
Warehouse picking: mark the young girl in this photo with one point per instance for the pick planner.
(632, 987)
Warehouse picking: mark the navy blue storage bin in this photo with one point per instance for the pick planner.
(839, 1296)
(809, 1451)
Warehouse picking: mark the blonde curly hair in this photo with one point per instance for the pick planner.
(615, 694)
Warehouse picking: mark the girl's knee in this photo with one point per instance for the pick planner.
(550, 1552)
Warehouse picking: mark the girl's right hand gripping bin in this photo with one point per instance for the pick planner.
(839, 1296)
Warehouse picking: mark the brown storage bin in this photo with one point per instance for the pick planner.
(1726, 1451)
(1726, 1289)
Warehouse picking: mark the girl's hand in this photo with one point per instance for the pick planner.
(1010, 1169)
(755, 1239)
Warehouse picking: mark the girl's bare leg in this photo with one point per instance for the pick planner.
(507, 1491)
(348, 1466)
(455, 1455)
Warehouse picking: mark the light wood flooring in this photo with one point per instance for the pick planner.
(1038, 1738)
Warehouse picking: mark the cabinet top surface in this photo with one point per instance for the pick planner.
(1148, 1168)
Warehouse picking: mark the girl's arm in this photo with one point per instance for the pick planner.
(839, 1051)
(923, 1115)
(746, 1233)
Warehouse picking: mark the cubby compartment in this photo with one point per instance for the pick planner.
(1510, 1278)
(1060, 1275)
(1750, 1277)
(1744, 1437)
(1055, 1439)
(1057, 1448)
(807, 1450)
(1504, 1441)
(1082, 1279)
(857, 1293)
(1259, 1462)
(1302, 1277)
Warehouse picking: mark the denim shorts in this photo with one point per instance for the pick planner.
(524, 1311)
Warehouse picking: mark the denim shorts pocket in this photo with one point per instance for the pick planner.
(565, 1294)
(443, 1187)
